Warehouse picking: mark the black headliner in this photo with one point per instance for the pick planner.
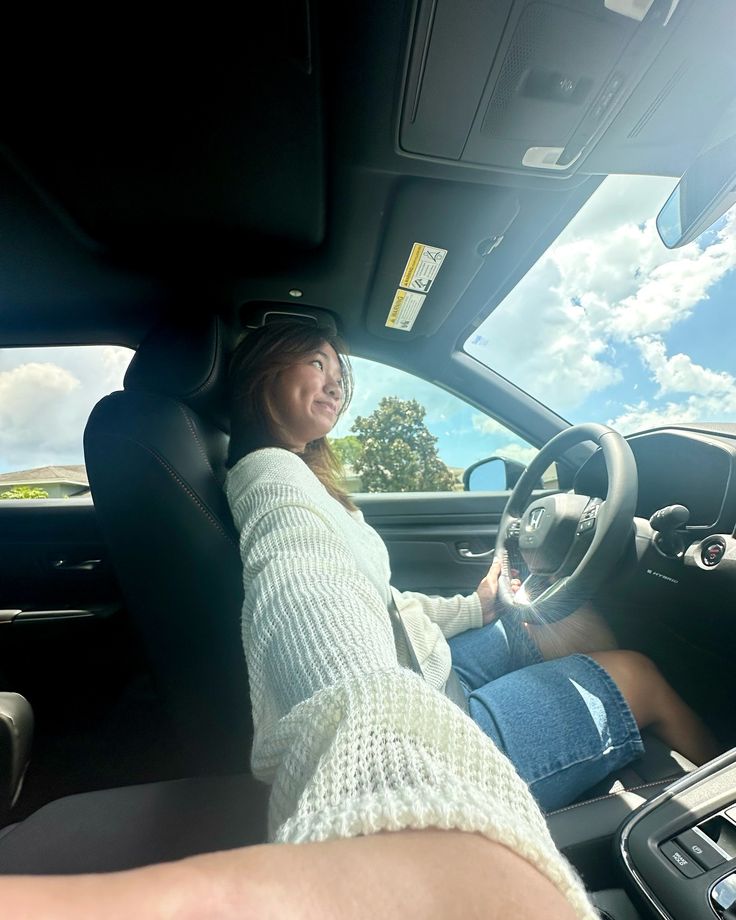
(207, 168)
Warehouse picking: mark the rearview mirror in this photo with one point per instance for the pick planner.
(705, 193)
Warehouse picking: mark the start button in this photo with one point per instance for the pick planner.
(712, 552)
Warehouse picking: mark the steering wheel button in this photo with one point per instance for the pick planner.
(680, 858)
(586, 525)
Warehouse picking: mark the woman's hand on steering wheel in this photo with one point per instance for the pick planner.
(488, 589)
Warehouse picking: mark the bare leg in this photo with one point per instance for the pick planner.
(656, 705)
(582, 632)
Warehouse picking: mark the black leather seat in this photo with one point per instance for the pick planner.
(117, 829)
(155, 455)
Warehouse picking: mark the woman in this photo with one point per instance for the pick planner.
(353, 745)
(290, 383)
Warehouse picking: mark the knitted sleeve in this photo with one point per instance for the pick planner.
(453, 615)
(352, 743)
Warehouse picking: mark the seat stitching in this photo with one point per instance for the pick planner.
(192, 428)
(611, 795)
(193, 495)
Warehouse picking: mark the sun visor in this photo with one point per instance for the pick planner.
(438, 237)
(536, 83)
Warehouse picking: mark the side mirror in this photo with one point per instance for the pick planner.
(705, 193)
(494, 474)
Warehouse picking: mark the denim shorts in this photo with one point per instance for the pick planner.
(563, 723)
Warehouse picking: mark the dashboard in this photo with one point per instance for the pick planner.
(693, 468)
(678, 851)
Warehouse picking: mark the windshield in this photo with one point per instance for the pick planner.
(611, 326)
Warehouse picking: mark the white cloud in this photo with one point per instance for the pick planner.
(546, 344)
(680, 374)
(34, 410)
(487, 425)
(607, 281)
(695, 409)
(115, 360)
(524, 453)
(46, 395)
(510, 447)
(642, 415)
(674, 287)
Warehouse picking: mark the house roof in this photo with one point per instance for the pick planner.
(75, 473)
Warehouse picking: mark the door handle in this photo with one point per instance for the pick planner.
(467, 553)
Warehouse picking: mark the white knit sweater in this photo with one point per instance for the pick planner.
(352, 742)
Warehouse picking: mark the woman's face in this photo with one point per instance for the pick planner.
(305, 398)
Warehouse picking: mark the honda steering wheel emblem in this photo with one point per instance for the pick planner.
(535, 519)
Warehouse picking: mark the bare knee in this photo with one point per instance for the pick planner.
(639, 680)
(582, 632)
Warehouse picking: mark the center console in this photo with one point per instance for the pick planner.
(679, 849)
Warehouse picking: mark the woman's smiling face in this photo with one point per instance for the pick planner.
(305, 398)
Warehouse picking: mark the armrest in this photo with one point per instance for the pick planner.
(16, 736)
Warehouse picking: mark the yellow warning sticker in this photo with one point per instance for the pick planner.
(422, 267)
(404, 310)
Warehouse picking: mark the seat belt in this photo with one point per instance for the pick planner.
(453, 688)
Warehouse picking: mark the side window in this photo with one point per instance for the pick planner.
(46, 396)
(402, 434)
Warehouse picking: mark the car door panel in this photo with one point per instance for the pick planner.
(52, 556)
(426, 532)
(59, 600)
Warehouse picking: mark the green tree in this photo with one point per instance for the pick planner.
(399, 452)
(348, 449)
(24, 492)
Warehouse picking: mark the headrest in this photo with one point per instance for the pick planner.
(188, 362)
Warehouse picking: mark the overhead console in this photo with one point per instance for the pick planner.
(531, 86)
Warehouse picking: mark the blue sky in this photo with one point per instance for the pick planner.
(608, 326)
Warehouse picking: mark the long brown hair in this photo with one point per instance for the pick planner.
(256, 363)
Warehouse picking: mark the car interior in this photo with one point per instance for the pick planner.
(170, 187)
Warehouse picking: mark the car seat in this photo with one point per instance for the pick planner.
(155, 455)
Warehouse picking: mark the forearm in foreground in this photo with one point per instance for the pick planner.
(412, 874)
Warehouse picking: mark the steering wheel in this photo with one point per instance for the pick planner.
(569, 543)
